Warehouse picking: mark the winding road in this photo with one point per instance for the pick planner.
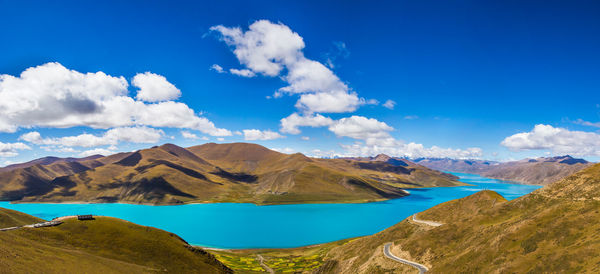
(386, 248)
(386, 251)
(38, 225)
(430, 223)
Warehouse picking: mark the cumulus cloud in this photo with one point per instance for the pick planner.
(557, 140)
(154, 88)
(11, 149)
(361, 128)
(110, 137)
(51, 95)
(242, 72)
(188, 135)
(335, 101)
(217, 68)
(389, 104)
(255, 134)
(374, 138)
(305, 138)
(270, 49)
(292, 123)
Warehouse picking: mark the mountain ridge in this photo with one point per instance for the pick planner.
(538, 171)
(237, 172)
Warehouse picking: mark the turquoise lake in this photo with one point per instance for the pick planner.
(230, 225)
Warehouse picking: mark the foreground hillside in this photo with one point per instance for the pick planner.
(554, 229)
(238, 172)
(103, 245)
(540, 171)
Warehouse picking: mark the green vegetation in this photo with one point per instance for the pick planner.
(103, 245)
(289, 260)
(240, 263)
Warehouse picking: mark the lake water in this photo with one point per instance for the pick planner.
(230, 225)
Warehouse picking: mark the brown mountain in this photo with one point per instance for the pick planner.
(540, 171)
(48, 161)
(238, 172)
(551, 230)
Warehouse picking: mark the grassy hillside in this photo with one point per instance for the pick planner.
(104, 245)
(554, 229)
(11, 218)
(238, 172)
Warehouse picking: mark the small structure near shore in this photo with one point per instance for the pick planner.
(85, 217)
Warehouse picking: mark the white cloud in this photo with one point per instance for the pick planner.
(51, 95)
(335, 101)
(270, 49)
(411, 150)
(287, 150)
(220, 139)
(317, 153)
(557, 140)
(305, 138)
(255, 134)
(375, 138)
(411, 117)
(154, 88)
(96, 151)
(11, 149)
(217, 68)
(292, 123)
(389, 104)
(242, 72)
(110, 137)
(61, 149)
(586, 123)
(361, 128)
(265, 48)
(188, 135)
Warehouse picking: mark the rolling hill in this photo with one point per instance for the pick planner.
(238, 172)
(103, 245)
(539, 171)
(551, 230)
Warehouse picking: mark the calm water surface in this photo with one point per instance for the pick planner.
(229, 225)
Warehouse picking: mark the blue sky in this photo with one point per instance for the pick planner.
(469, 78)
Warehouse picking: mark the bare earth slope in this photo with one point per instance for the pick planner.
(238, 172)
(553, 229)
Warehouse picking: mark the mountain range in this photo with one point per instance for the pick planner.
(238, 172)
(539, 171)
